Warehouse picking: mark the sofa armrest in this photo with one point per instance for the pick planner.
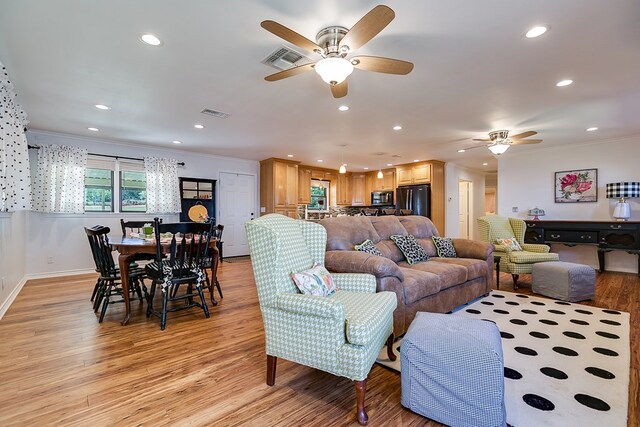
(355, 282)
(535, 247)
(466, 248)
(361, 262)
(310, 305)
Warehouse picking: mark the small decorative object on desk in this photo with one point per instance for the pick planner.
(147, 229)
(536, 212)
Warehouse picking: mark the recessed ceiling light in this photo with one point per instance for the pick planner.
(536, 31)
(320, 160)
(462, 150)
(389, 164)
(177, 142)
(485, 164)
(198, 126)
(366, 169)
(343, 108)
(93, 129)
(102, 107)
(566, 82)
(592, 129)
(151, 39)
(397, 127)
(289, 155)
(416, 160)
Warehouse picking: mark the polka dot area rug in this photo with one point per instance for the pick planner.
(565, 364)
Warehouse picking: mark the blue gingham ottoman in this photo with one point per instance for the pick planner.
(452, 370)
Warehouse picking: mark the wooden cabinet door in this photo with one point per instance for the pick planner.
(331, 176)
(344, 193)
(421, 174)
(280, 171)
(370, 186)
(358, 197)
(389, 180)
(405, 176)
(292, 185)
(304, 186)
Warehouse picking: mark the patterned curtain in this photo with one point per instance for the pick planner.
(59, 184)
(15, 177)
(163, 188)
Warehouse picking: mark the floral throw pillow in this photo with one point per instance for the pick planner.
(315, 281)
(511, 243)
(410, 248)
(444, 247)
(368, 247)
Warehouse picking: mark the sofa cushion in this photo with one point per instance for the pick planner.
(345, 232)
(449, 274)
(475, 267)
(418, 284)
(420, 227)
(386, 226)
(368, 247)
(365, 314)
(444, 247)
(411, 249)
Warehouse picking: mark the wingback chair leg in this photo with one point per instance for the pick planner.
(515, 281)
(361, 413)
(390, 353)
(272, 361)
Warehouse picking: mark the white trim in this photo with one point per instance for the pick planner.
(12, 296)
(77, 272)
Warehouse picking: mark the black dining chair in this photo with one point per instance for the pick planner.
(186, 254)
(136, 226)
(109, 282)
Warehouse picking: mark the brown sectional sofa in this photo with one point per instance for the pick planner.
(437, 285)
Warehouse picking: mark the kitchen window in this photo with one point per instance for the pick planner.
(319, 195)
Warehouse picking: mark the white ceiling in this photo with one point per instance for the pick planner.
(474, 72)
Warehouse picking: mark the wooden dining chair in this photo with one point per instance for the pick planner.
(186, 254)
(133, 226)
(389, 211)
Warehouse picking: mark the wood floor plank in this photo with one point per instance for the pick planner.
(59, 366)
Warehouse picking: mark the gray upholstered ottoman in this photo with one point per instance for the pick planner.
(452, 370)
(564, 280)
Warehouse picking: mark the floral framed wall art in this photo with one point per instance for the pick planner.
(576, 186)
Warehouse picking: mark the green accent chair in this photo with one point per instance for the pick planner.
(341, 334)
(493, 227)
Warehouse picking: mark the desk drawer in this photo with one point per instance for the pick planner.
(571, 236)
(619, 239)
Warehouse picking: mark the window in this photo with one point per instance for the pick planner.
(101, 188)
(98, 190)
(319, 195)
(133, 191)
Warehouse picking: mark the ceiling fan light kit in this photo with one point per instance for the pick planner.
(498, 149)
(334, 70)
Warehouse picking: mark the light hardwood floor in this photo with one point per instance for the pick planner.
(58, 366)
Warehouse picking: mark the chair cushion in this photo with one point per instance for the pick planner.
(444, 247)
(315, 281)
(449, 274)
(154, 271)
(365, 314)
(368, 247)
(410, 247)
(510, 243)
(525, 257)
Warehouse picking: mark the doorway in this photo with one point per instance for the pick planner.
(237, 206)
(464, 208)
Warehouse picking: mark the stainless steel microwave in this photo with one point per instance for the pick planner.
(382, 197)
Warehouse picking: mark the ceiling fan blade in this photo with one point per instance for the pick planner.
(475, 146)
(526, 141)
(290, 36)
(523, 135)
(367, 27)
(380, 64)
(289, 73)
(481, 140)
(339, 90)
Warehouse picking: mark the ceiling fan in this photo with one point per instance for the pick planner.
(499, 140)
(334, 44)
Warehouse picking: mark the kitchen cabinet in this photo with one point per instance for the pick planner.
(279, 187)
(414, 174)
(359, 196)
(344, 191)
(386, 183)
(195, 191)
(304, 185)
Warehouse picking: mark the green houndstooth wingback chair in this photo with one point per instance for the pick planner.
(341, 334)
(493, 227)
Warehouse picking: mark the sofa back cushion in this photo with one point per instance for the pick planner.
(387, 226)
(419, 227)
(343, 233)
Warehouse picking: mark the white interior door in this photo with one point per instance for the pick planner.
(237, 206)
(463, 209)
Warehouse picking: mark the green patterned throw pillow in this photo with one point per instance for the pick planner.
(444, 247)
(368, 247)
(315, 281)
(511, 243)
(410, 248)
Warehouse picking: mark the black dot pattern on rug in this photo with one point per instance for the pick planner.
(579, 310)
(611, 312)
(486, 302)
(538, 402)
(526, 351)
(605, 351)
(554, 373)
(610, 322)
(472, 311)
(572, 334)
(518, 322)
(527, 311)
(549, 322)
(598, 372)
(540, 335)
(512, 374)
(556, 312)
(497, 296)
(579, 322)
(537, 303)
(521, 296)
(592, 402)
(607, 335)
(562, 303)
(512, 302)
(497, 310)
(506, 335)
(565, 351)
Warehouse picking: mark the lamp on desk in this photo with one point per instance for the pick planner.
(622, 190)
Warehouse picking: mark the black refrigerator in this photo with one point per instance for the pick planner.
(415, 197)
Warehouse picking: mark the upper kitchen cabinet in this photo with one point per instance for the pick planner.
(414, 174)
(344, 190)
(279, 187)
(386, 183)
(304, 185)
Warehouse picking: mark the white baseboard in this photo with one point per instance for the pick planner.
(12, 296)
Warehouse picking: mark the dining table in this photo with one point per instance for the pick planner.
(129, 249)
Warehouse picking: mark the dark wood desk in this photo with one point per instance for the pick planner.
(129, 247)
(607, 236)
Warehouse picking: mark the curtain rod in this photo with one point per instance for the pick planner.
(37, 147)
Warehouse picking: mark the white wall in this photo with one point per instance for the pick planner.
(453, 173)
(13, 239)
(526, 180)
